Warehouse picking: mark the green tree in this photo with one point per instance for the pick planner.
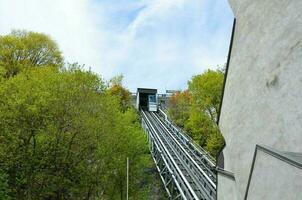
(4, 187)
(179, 107)
(64, 134)
(196, 109)
(21, 50)
(47, 141)
(117, 89)
(214, 142)
(65, 137)
(206, 92)
(199, 126)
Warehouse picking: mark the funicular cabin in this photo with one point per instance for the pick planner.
(146, 99)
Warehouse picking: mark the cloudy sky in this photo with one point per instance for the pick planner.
(153, 43)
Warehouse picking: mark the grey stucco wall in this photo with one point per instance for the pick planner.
(273, 179)
(263, 93)
(229, 185)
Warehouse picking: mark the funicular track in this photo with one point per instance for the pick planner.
(186, 171)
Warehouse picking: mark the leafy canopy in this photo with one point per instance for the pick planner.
(64, 134)
(22, 50)
(206, 90)
(179, 107)
(196, 109)
(117, 89)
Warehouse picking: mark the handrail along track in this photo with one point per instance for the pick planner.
(187, 172)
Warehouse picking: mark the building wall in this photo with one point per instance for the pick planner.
(263, 93)
(273, 178)
(229, 185)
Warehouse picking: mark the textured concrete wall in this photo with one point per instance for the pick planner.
(273, 179)
(229, 185)
(263, 95)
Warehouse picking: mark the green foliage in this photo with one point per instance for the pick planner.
(215, 142)
(206, 90)
(196, 109)
(64, 136)
(116, 89)
(179, 107)
(199, 126)
(4, 188)
(116, 80)
(22, 50)
(63, 133)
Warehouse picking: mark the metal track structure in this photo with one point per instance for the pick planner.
(187, 171)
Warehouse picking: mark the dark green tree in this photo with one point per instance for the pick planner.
(4, 187)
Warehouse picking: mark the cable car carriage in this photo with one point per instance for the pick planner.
(146, 99)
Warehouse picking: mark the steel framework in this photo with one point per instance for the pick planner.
(186, 171)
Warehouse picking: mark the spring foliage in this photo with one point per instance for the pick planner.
(196, 109)
(64, 133)
(23, 50)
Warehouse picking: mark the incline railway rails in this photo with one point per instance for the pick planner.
(198, 152)
(186, 171)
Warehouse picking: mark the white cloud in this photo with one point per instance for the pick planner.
(73, 24)
(154, 43)
(154, 10)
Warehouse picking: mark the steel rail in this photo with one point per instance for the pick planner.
(166, 145)
(151, 147)
(175, 165)
(160, 151)
(171, 134)
(208, 186)
(191, 177)
(188, 139)
(198, 155)
(188, 189)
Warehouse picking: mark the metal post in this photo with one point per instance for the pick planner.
(127, 178)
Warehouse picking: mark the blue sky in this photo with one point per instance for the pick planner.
(153, 43)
